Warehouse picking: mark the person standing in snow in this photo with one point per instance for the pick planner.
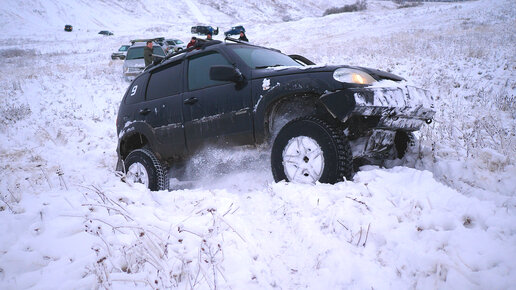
(147, 53)
(243, 37)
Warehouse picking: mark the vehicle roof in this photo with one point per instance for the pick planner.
(138, 44)
(216, 43)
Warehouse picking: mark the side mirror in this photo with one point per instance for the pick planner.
(225, 73)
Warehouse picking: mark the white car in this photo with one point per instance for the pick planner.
(134, 63)
(173, 45)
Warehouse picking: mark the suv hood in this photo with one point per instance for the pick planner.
(290, 70)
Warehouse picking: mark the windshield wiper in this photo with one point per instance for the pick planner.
(266, 66)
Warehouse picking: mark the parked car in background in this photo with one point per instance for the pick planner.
(204, 30)
(235, 30)
(121, 53)
(68, 28)
(173, 45)
(134, 63)
(106, 32)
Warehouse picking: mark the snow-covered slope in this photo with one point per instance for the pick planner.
(442, 218)
(22, 17)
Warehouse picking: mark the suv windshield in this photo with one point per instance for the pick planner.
(137, 52)
(123, 48)
(256, 57)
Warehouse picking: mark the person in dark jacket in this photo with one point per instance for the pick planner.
(243, 37)
(147, 53)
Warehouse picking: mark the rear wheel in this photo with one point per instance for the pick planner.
(310, 149)
(142, 166)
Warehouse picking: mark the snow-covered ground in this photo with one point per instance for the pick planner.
(444, 217)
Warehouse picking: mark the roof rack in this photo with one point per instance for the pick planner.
(156, 39)
(235, 40)
(199, 44)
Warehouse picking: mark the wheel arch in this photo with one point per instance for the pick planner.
(285, 108)
(135, 136)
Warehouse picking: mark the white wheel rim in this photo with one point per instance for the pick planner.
(136, 173)
(303, 160)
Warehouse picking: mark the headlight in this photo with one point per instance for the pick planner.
(355, 76)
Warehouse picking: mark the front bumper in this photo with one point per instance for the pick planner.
(131, 74)
(406, 108)
(397, 108)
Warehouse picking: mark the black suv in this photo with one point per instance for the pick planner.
(204, 30)
(321, 120)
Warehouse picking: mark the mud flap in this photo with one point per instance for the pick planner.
(119, 165)
(380, 142)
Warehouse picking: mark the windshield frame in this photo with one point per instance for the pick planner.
(256, 57)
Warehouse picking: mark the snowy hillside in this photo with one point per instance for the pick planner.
(130, 16)
(444, 217)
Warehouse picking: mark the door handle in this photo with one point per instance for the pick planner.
(190, 101)
(145, 111)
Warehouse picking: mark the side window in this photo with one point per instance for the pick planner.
(199, 70)
(165, 82)
(136, 90)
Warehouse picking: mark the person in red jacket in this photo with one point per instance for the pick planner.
(192, 42)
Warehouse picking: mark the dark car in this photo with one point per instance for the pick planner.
(105, 32)
(121, 53)
(68, 28)
(321, 120)
(204, 30)
(235, 30)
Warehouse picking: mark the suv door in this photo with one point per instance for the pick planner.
(215, 109)
(163, 109)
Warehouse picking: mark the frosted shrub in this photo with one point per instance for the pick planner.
(357, 6)
(14, 113)
(16, 52)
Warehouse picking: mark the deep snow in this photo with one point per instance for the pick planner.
(443, 217)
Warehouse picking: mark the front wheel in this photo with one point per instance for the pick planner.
(142, 166)
(309, 149)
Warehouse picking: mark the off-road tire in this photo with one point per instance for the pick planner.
(338, 161)
(157, 175)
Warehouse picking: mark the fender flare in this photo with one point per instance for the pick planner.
(132, 129)
(279, 91)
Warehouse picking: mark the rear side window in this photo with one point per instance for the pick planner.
(199, 70)
(165, 82)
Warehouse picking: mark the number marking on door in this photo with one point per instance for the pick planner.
(133, 91)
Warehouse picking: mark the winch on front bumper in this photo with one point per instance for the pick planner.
(380, 120)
